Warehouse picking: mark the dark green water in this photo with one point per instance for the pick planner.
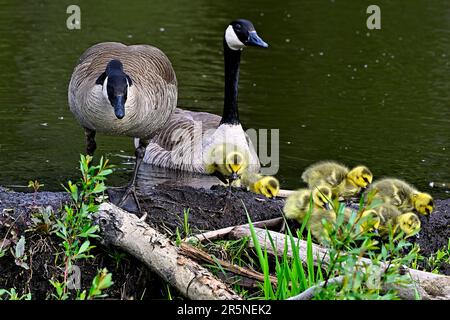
(334, 89)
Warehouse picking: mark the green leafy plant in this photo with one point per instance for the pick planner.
(117, 256)
(348, 246)
(75, 227)
(13, 295)
(44, 221)
(441, 256)
(101, 282)
(35, 185)
(19, 254)
(186, 226)
(346, 274)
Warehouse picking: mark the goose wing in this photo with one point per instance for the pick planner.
(178, 145)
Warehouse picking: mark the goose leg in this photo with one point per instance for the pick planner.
(221, 177)
(129, 200)
(91, 145)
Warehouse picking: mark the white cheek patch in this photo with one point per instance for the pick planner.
(232, 39)
(104, 91)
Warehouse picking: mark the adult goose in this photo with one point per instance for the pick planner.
(125, 91)
(191, 140)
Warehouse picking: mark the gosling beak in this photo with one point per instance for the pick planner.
(327, 206)
(119, 107)
(255, 41)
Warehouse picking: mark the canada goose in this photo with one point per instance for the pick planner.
(344, 183)
(188, 138)
(402, 195)
(123, 90)
(297, 204)
(391, 217)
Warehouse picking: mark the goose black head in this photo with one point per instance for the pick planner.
(115, 84)
(241, 33)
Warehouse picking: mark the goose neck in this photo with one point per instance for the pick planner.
(232, 60)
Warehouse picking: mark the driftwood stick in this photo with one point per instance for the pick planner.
(309, 293)
(196, 253)
(284, 193)
(429, 286)
(221, 233)
(127, 231)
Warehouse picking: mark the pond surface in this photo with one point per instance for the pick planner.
(335, 89)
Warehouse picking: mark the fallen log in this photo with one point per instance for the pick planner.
(429, 286)
(131, 234)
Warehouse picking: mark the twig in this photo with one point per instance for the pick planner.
(285, 193)
(194, 252)
(309, 293)
(220, 233)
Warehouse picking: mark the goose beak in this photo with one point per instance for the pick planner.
(255, 40)
(119, 107)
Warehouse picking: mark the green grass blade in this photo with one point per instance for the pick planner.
(310, 259)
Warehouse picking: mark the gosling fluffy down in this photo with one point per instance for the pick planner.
(226, 161)
(268, 186)
(344, 183)
(298, 204)
(404, 196)
(392, 218)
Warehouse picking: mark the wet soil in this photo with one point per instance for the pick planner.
(209, 209)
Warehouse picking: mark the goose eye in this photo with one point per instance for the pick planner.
(238, 27)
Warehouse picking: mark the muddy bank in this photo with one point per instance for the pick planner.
(211, 209)
(208, 210)
(435, 232)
